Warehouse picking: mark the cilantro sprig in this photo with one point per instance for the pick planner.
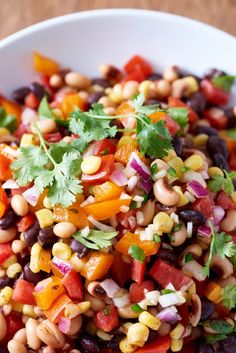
(95, 239)
(229, 296)
(137, 253)
(7, 120)
(221, 245)
(220, 182)
(225, 82)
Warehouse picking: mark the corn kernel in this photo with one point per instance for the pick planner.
(77, 263)
(215, 171)
(177, 332)
(192, 85)
(116, 93)
(13, 270)
(17, 307)
(171, 155)
(163, 222)
(177, 164)
(200, 140)
(194, 162)
(4, 131)
(46, 203)
(84, 306)
(58, 113)
(183, 200)
(137, 334)
(233, 197)
(71, 311)
(27, 140)
(34, 258)
(149, 320)
(62, 251)
(10, 261)
(126, 326)
(28, 310)
(145, 87)
(91, 164)
(126, 347)
(5, 295)
(176, 345)
(126, 140)
(45, 218)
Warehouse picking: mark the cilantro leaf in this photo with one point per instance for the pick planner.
(188, 257)
(7, 120)
(156, 238)
(221, 327)
(180, 115)
(211, 339)
(220, 182)
(136, 308)
(44, 111)
(225, 82)
(154, 169)
(96, 239)
(231, 133)
(172, 172)
(137, 253)
(229, 296)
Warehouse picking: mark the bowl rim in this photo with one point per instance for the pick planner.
(83, 15)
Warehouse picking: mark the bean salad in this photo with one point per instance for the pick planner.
(118, 211)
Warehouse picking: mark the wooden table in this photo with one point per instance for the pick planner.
(17, 14)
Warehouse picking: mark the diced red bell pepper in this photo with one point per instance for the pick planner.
(53, 137)
(128, 219)
(107, 319)
(104, 147)
(14, 324)
(136, 75)
(72, 282)
(5, 169)
(163, 274)
(201, 286)
(138, 62)
(23, 292)
(5, 252)
(138, 269)
(171, 125)
(25, 222)
(184, 313)
(31, 101)
(102, 175)
(175, 102)
(224, 201)
(136, 292)
(232, 161)
(120, 270)
(158, 345)
(216, 117)
(213, 94)
(204, 205)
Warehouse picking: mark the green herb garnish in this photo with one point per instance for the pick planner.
(180, 115)
(220, 182)
(225, 82)
(156, 238)
(95, 239)
(7, 120)
(229, 296)
(167, 291)
(44, 111)
(221, 327)
(188, 258)
(185, 169)
(136, 308)
(154, 169)
(172, 172)
(137, 253)
(211, 339)
(107, 310)
(133, 205)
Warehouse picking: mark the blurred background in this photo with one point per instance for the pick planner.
(17, 14)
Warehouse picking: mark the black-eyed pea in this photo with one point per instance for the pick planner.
(127, 313)
(33, 340)
(21, 336)
(179, 237)
(45, 126)
(75, 326)
(148, 211)
(77, 80)
(229, 222)
(171, 73)
(19, 205)
(15, 346)
(164, 194)
(48, 350)
(96, 303)
(179, 88)
(130, 89)
(18, 246)
(49, 334)
(56, 81)
(64, 229)
(162, 88)
(7, 235)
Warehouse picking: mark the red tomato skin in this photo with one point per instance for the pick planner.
(175, 102)
(158, 345)
(184, 313)
(120, 270)
(224, 201)
(216, 120)
(171, 125)
(23, 292)
(5, 252)
(136, 75)
(104, 147)
(213, 94)
(204, 205)
(31, 101)
(136, 291)
(137, 271)
(103, 174)
(125, 219)
(25, 222)
(107, 319)
(72, 282)
(53, 137)
(138, 62)
(14, 324)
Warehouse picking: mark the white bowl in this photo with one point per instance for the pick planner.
(85, 40)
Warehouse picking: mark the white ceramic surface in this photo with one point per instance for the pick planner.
(84, 40)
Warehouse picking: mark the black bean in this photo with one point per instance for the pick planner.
(19, 94)
(46, 236)
(94, 98)
(154, 76)
(38, 90)
(205, 348)
(168, 255)
(3, 349)
(114, 342)
(220, 161)
(216, 145)
(5, 281)
(89, 343)
(210, 131)
(207, 309)
(32, 277)
(192, 216)
(213, 73)
(178, 145)
(151, 101)
(197, 102)
(31, 234)
(231, 123)
(101, 82)
(228, 345)
(79, 248)
(9, 220)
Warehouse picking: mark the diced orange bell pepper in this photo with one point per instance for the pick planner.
(126, 108)
(11, 108)
(106, 191)
(129, 239)
(213, 292)
(4, 202)
(78, 216)
(5, 169)
(44, 261)
(56, 312)
(44, 65)
(71, 102)
(230, 143)
(97, 266)
(157, 116)
(123, 153)
(106, 209)
(47, 291)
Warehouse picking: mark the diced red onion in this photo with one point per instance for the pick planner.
(64, 325)
(141, 168)
(170, 299)
(197, 189)
(204, 231)
(192, 175)
(194, 269)
(10, 184)
(31, 195)
(110, 287)
(218, 214)
(62, 266)
(123, 301)
(170, 315)
(187, 332)
(133, 181)
(100, 225)
(204, 174)
(119, 178)
(146, 185)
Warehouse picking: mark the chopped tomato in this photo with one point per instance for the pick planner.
(175, 102)
(163, 274)
(4, 202)
(5, 252)
(26, 222)
(14, 324)
(138, 62)
(120, 270)
(129, 239)
(53, 137)
(106, 209)
(158, 345)
(136, 75)
(104, 147)
(72, 282)
(216, 117)
(184, 313)
(103, 174)
(128, 220)
(204, 205)
(31, 101)
(171, 125)
(224, 201)
(5, 168)
(138, 269)
(136, 291)
(106, 191)
(23, 292)
(232, 161)
(107, 319)
(213, 94)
